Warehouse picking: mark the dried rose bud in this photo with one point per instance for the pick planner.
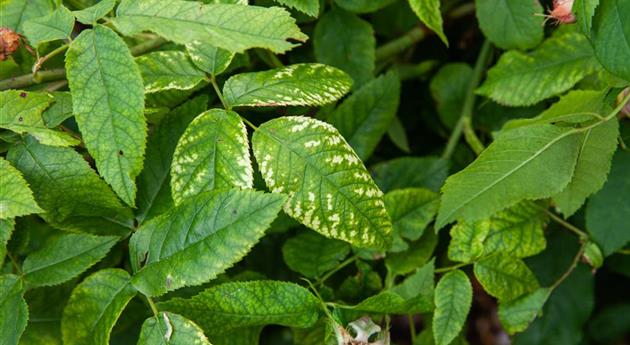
(562, 12)
(9, 42)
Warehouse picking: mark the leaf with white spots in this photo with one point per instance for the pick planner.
(228, 26)
(212, 154)
(330, 191)
(171, 329)
(167, 70)
(200, 238)
(300, 84)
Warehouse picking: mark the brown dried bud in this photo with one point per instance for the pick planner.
(9, 42)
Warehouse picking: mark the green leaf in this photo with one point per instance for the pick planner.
(429, 13)
(167, 70)
(365, 116)
(330, 191)
(64, 256)
(209, 58)
(21, 112)
(418, 253)
(14, 13)
(310, 7)
(467, 240)
(525, 163)
(453, 297)
(16, 198)
(611, 37)
(343, 40)
(56, 26)
(63, 183)
(516, 315)
(404, 172)
(91, 14)
(511, 24)
(448, 88)
(397, 134)
(185, 22)
(229, 306)
(413, 295)
(211, 155)
(505, 277)
(520, 79)
(6, 229)
(94, 307)
(108, 103)
(593, 164)
(411, 210)
(607, 212)
(363, 6)
(12, 308)
(312, 255)
(154, 191)
(171, 329)
(59, 111)
(300, 84)
(199, 239)
(517, 231)
(238, 336)
(584, 11)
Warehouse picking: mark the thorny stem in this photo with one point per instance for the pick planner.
(465, 120)
(325, 277)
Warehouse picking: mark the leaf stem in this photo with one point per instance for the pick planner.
(321, 300)
(38, 64)
(571, 268)
(217, 90)
(412, 328)
(579, 232)
(269, 58)
(465, 119)
(400, 44)
(345, 263)
(450, 268)
(153, 307)
(15, 264)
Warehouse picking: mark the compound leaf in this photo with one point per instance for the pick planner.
(365, 116)
(57, 25)
(520, 79)
(511, 24)
(453, 297)
(108, 104)
(229, 306)
(330, 191)
(312, 255)
(522, 163)
(200, 238)
(173, 329)
(16, 198)
(344, 40)
(228, 26)
(299, 84)
(94, 306)
(13, 309)
(64, 256)
(505, 277)
(212, 154)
